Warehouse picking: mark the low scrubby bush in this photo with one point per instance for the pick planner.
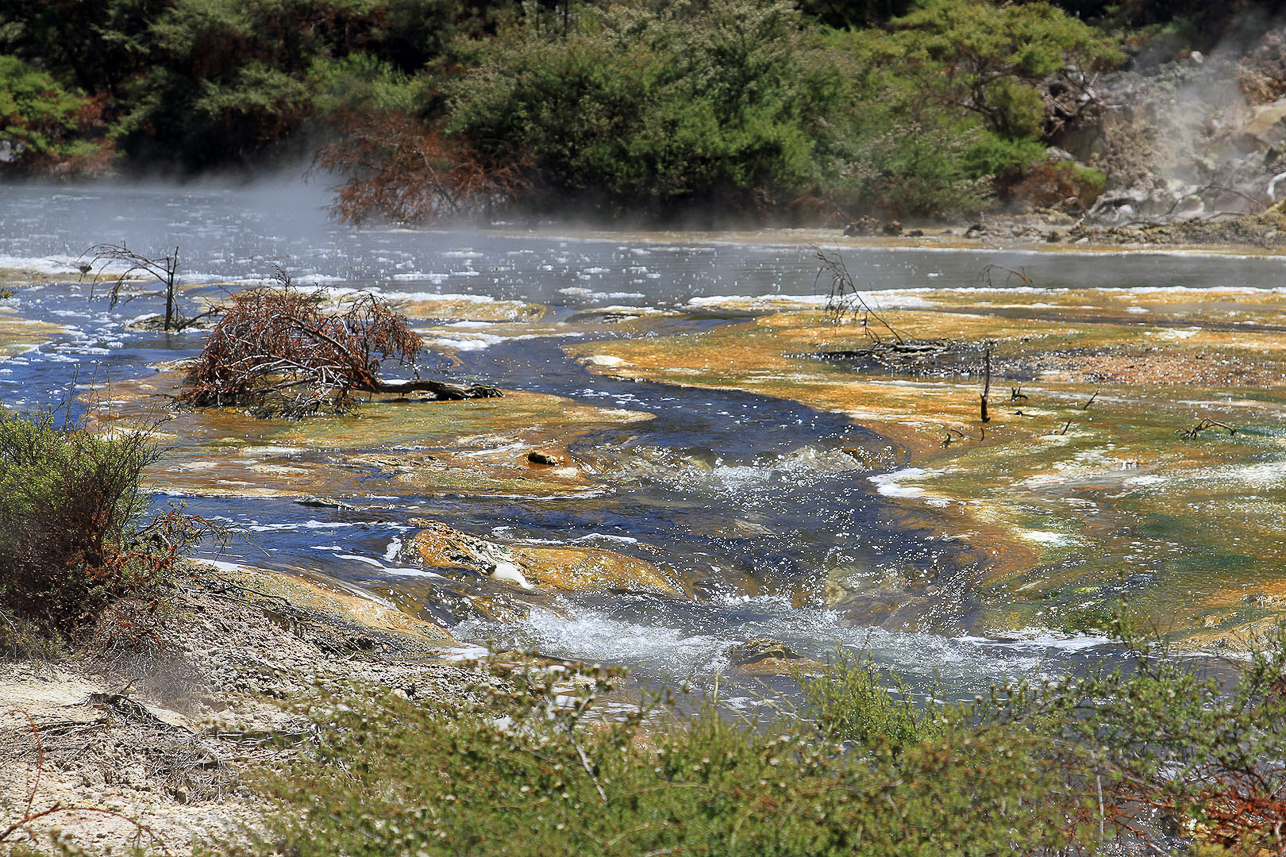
(74, 530)
(853, 702)
(531, 768)
(1152, 754)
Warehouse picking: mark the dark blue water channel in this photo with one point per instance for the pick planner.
(758, 502)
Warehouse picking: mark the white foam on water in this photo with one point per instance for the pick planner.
(362, 559)
(40, 264)
(469, 342)
(890, 484)
(304, 525)
(1047, 538)
(405, 571)
(679, 652)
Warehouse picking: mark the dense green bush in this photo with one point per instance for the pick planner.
(529, 769)
(1173, 740)
(997, 60)
(852, 703)
(74, 534)
(687, 105)
(1119, 756)
(728, 109)
(45, 126)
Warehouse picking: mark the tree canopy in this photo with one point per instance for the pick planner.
(729, 109)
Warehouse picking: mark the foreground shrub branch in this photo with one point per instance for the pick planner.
(75, 534)
(281, 351)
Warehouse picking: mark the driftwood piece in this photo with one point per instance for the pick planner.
(1207, 423)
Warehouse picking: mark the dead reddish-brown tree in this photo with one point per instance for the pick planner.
(285, 351)
(399, 169)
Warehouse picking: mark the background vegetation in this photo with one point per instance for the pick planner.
(719, 108)
(1154, 755)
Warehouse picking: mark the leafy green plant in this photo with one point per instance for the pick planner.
(997, 60)
(43, 125)
(652, 109)
(74, 530)
(1160, 734)
(528, 764)
(855, 701)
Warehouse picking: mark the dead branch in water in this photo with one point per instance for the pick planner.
(163, 269)
(1010, 274)
(1086, 406)
(986, 390)
(279, 351)
(846, 300)
(1207, 423)
(953, 435)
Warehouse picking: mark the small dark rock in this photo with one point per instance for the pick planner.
(542, 458)
(754, 651)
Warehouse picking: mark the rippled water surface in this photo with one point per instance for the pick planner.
(755, 501)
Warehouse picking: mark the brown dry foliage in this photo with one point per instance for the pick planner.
(277, 350)
(400, 170)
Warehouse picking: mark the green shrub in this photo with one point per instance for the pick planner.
(45, 125)
(993, 60)
(531, 768)
(692, 105)
(1163, 735)
(74, 535)
(853, 703)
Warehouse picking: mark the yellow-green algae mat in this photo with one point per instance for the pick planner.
(387, 446)
(18, 335)
(1083, 490)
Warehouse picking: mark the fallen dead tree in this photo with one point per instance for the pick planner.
(285, 352)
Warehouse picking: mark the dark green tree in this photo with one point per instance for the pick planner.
(692, 104)
(999, 61)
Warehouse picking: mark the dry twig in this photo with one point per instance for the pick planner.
(846, 300)
(1206, 423)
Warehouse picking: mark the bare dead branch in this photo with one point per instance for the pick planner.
(845, 299)
(283, 351)
(1207, 423)
(397, 168)
(163, 269)
(1010, 274)
(986, 390)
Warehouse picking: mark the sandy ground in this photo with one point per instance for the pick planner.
(115, 746)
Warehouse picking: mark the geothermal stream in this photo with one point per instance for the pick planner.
(754, 500)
